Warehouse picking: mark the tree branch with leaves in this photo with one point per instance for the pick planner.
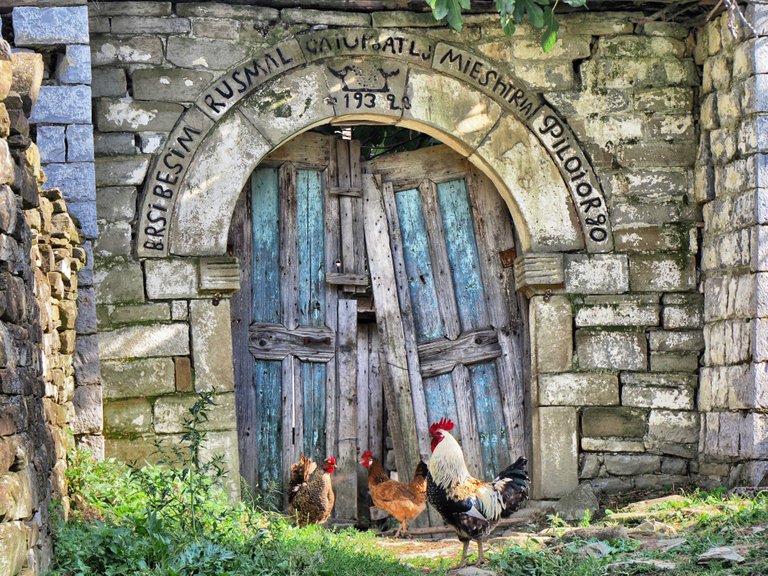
(540, 13)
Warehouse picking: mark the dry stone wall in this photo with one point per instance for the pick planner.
(731, 184)
(40, 255)
(616, 345)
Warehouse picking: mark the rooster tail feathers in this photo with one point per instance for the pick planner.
(512, 484)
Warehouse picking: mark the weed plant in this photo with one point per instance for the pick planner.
(176, 519)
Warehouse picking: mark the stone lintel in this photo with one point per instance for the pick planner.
(538, 273)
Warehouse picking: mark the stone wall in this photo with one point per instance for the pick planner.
(40, 255)
(615, 349)
(63, 131)
(731, 174)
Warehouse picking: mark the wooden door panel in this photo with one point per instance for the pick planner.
(454, 299)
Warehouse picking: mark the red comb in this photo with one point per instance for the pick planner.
(443, 424)
(367, 454)
(331, 460)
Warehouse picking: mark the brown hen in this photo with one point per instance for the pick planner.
(403, 501)
(311, 497)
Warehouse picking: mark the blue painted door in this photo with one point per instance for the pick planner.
(295, 318)
(464, 340)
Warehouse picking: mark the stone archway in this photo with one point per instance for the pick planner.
(367, 76)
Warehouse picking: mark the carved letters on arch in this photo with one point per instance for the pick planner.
(367, 72)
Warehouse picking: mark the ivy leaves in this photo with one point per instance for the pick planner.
(540, 13)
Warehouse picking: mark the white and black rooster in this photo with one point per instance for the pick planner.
(472, 507)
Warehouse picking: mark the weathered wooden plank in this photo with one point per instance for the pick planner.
(364, 416)
(407, 169)
(418, 266)
(342, 278)
(442, 356)
(349, 191)
(310, 149)
(462, 253)
(265, 279)
(291, 429)
(288, 247)
(355, 174)
(490, 419)
(240, 243)
(438, 252)
(275, 341)
(466, 420)
(311, 248)
(332, 257)
(376, 430)
(494, 234)
(313, 379)
(441, 401)
(407, 321)
(397, 386)
(269, 393)
(346, 493)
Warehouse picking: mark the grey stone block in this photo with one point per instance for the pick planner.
(133, 50)
(116, 204)
(558, 437)
(578, 389)
(149, 25)
(80, 143)
(127, 417)
(118, 281)
(85, 214)
(172, 278)
(47, 26)
(618, 311)
(169, 85)
(138, 313)
(121, 170)
(86, 311)
(211, 332)
(125, 115)
(662, 273)
(86, 360)
(63, 105)
(673, 426)
(152, 142)
(138, 378)
(611, 350)
(219, 28)
(85, 276)
(76, 180)
(50, 142)
(596, 274)
(114, 239)
(75, 66)
(114, 143)
(156, 340)
(109, 82)
(208, 54)
(620, 422)
(172, 411)
(630, 465)
(135, 8)
(88, 412)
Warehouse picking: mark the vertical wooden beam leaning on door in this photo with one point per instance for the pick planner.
(397, 385)
(346, 358)
(292, 438)
(241, 245)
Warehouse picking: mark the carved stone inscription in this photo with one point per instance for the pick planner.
(486, 76)
(366, 42)
(364, 87)
(237, 83)
(578, 175)
(164, 180)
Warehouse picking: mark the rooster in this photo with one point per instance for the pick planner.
(403, 501)
(472, 507)
(311, 496)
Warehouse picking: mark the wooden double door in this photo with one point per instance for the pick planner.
(376, 297)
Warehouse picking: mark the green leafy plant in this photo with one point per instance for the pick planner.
(540, 14)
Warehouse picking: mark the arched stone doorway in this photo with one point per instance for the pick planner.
(366, 76)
